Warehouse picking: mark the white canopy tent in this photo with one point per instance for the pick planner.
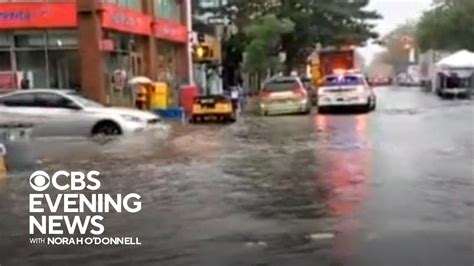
(460, 64)
(462, 60)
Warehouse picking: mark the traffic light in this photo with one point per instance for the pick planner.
(203, 53)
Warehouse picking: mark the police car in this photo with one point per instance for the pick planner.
(345, 90)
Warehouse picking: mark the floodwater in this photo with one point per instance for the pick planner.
(394, 187)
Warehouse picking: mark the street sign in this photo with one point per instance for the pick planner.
(217, 20)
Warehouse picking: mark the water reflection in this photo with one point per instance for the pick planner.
(347, 167)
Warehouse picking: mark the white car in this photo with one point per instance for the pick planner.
(60, 113)
(346, 90)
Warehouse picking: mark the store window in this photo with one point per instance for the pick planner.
(167, 9)
(64, 71)
(166, 62)
(63, 59)
(30, 39)
(5, 61)
(62, 39)
(32, 64)
(131, 4)
(4, 40)
(123, 62)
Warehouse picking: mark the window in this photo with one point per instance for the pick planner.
(51, 100)
(62, 39)
(167, 9)
(5, 61)
(4, 40)
(131, 4)
(29, 39)
(33, 66)
(64, 70)
(18, 100)
(282, 85)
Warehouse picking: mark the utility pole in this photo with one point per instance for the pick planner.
(189, 26)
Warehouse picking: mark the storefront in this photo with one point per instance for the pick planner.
(38, 44)
(52, 45)
(171, 40)
(47, 59)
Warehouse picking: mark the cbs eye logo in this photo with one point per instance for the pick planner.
(39, 181)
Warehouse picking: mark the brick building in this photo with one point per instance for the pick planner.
(93, 45)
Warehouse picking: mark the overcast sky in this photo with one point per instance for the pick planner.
(394, 12)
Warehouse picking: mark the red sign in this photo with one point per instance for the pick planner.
(38, 15)
(121, 19)
(106, 45)
(8, 80)
(170, 30)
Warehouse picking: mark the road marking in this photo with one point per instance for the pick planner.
(256, 244)
(321, 236)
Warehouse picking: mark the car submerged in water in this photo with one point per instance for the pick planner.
(344, 91)
(284, 95)
(65, 113)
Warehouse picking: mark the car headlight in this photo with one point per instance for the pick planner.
(132, 118)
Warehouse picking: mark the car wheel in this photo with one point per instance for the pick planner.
(374, 105)
(370, 105)
(231, 119)
(107, 128)
(367, 108)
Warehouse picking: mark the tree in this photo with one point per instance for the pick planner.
(263, 49)
(447, 26)
(329, 22)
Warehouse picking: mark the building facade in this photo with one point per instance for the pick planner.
(93, 45)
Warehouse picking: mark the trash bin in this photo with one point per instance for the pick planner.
(160, 96)
(16, 149)
(186, 97)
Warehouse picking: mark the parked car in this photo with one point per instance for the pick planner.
(284, 95)
(346, 90)
(217, 107)
(66, 113)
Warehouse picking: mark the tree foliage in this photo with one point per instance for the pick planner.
(265, 37)
(329, 22)
(448, 26)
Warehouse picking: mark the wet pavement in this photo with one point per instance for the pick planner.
(394, 187)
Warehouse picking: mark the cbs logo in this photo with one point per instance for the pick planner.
(75, 181)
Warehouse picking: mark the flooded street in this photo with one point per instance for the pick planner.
(394, 187)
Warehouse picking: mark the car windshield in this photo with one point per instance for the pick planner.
(343, 80)
(84, 101)
(281, 85)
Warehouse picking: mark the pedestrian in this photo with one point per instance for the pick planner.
(141, 97)
(25, 84)
(235, 98)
